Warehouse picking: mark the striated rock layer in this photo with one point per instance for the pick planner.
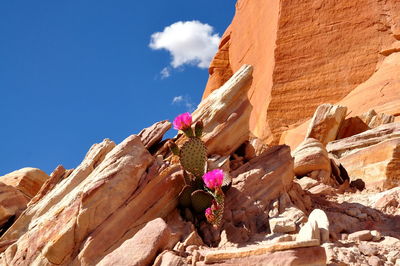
(306, 53)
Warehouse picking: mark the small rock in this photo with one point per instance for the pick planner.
(274, 212)
(283, 238)
(364, 235)
(307, 182)
(282, 225)
(362, 216)
(195, 257)
(353, 212)
(191, 248)
(179, 247)
(376, 235)
(368, 249)
(168, 258)
(393, 256)
(375, 261)
(193, 239)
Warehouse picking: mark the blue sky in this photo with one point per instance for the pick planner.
(75, 72)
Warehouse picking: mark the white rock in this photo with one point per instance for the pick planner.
(319, 216)
(309, 231)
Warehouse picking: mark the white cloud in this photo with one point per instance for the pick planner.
(184, 100)
(189, 42)
(165, 73)
(177, 99)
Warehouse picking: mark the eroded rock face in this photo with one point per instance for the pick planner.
(27, 180)
(109, 197)
(255, 185)
(308, 53)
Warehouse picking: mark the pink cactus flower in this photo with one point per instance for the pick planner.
(209, 215)
(214, 178)
(183, 121)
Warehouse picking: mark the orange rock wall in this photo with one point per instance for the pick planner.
(304, 53)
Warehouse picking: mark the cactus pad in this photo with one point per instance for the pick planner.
(201, 200)
(193, 156)
(184, 197)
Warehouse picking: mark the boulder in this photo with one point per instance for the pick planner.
(12, 203)
(225, 114)
(27, 180)
(168, 258)
(378, 171)
(364, 235)
(319, 216)
(309, 231)
(143, 248)
(326, 122)
(281, 225)
(309, 156)
(153, 135)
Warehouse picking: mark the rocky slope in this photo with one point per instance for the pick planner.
(288, 71)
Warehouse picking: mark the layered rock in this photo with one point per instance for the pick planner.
(143, 247)
(12, 204)
(255, 185)
(373, 156)
(326, 122)
(225, 114)
(27, 180)
(103, 202)
(310, 156)
(308, 53)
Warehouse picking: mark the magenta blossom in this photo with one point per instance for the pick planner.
(209, 215)
(183, 121)
(214, 178)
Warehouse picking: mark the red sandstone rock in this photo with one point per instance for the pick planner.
(311, 155)
(27, 180)
(12, 202)
(106, 200)
(142, 248)
(308, 53)
(373, 156)
(326, 122)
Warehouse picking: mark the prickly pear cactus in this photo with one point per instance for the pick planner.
(201, 200)
(193, 156)
(184, 197)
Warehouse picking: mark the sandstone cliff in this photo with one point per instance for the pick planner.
(306, 53)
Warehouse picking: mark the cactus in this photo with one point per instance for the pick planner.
(193, 156)
(184, 197)
(203, 194)
(201, 200)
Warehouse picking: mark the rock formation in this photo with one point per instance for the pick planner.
(320, 77)
(306, 53)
